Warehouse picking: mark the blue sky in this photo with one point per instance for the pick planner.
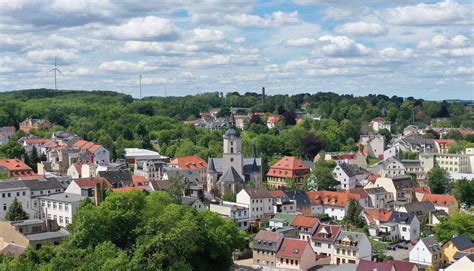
(405, 47)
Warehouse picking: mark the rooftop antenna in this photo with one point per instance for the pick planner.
(140, 82)
(55, 75)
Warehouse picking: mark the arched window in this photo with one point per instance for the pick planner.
(232, 150)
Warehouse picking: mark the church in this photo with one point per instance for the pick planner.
(233, 171)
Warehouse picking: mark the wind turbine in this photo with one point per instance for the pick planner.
(55, 71)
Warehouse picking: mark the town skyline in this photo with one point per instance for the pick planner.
(404, 48)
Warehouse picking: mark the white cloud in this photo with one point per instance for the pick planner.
(210, 61)
(301, 42)
(126, 66)
(49, 55)
(440, 41)
(276, 19)
(434, 63)
(446, 12)
(342, 46)
(205, 35)
(79, 72)
(360, 29)
(142, 29)
(14, 65)
(388, 52)
(457, 52)
(461, 71)
(336, 14)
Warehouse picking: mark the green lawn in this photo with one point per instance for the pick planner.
(377, 245)
(371, 160)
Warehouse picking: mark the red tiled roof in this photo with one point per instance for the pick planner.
(9, 128)
(268, 236)
(278, 194)
(273, 119)
(80, 143)
(445, 141)
(14, 165)
(332, 231)
(401, 265)
(331, 198)
(378, 119)
(466, 132)
(36, 140)
(292, 248)
(288, 167)
(189, 162)
(78, 167)
(381, 215)
(437, 199)
(366, 265)
(423, 189)
(89, 146)
(344, 156)
(359, 191)
(138, 180)
(304, 221)
(373, 177)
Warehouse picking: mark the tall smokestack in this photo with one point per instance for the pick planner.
(263, 95)
(98, 192)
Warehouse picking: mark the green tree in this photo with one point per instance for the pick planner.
(386, 134)
(438, 180)
(176, 188)
(353, 215)
(464, 191)
(457, 223)
(15, 212)
(229, 197)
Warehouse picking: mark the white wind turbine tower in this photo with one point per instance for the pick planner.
(56, 70)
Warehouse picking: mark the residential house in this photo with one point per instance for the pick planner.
(426, 252)
(11, 189)
(388, 168)
(402, 187)
(303, 202)
(29, 124)
(333, 203)
(60, 207)
(259, 200)
(459, 243)
(41, 187)
(64, 138)
(464, 264)
(451, 162)
(295, 254)
(241, 121)
(306, 226)
(152, 170)
(323, 239)
(375, 217)
(350, 247)
(238, 212)
(4, 139)
(7, 131)
(287, 170)
(435, 217)
(447, 203)
(379, 123)
(33, 143)
(75, 171)
(87, 186)
(265, 247)
(421, 190)
(350, 175)
(16, 236)
(134, 154)
(401, 226)
(117, 178)
(413, 167)
(194, 163)
(281, 220)
(15, 168)
(373, 145)
(96, 153)
(379, 197)
(194, 202)
(390, 265)
(442, 145)
(419, 144)
(355, 158)
(419, 208)
(282, 203)
(272, 121)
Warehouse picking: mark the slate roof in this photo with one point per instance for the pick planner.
(231, 176)
(355, 237)
(47, 235)
(402, 218)
(376, 190)
(403, 182)
(117, 178)
(458, 255)
(462, 242)
(421, 207)
(159, 185)
(188, 200)
(267, 240)
(247, 164)
(258, 193)
(352, 169)
(43, 184)
(11, 184)
(432, 245)
(64, 197)
(302, 199)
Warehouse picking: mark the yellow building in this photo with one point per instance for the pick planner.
(460, 243)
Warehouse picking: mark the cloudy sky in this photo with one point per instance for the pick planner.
(407, 48)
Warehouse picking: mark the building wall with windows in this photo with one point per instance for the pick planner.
(61, 207)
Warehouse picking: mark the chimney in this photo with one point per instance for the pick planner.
(263, 95)
(98, 193)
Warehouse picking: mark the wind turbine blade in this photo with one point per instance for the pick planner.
(60, 72)
(51, 70)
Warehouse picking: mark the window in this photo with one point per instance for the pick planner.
(60, 219)
(9, 195)
(42, 203)
(18, 194)
(60, 206)
(55, 217)
(66, 207)
(67, 220)
(24, 193)
(49, 204)
(404, 229)
(4, 206)
(54, 206)
(3, 195)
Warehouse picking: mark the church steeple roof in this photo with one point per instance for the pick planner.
(210, 166)
(232, 132)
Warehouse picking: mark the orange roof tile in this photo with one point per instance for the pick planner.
(90, 182)
(359, 191)
(331, 198)
(304, 221)
(80, 143)
(138, 180)
(278, 194)
(437, 199)
(36, 140)
(292, 248)
(423, 189)
(189, 162)
(273, 119)
(374, 214)
(14, 165)
(288, 167)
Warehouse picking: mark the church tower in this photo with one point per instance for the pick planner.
(233, 156)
